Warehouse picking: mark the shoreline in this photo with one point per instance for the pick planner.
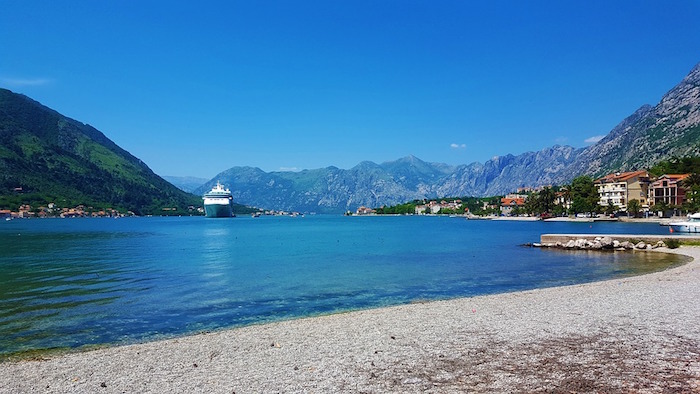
(631, 334)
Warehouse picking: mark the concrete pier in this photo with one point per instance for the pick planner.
(646, 238)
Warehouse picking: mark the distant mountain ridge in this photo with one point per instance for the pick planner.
(671, 128)
(185, 183)
(333, 190)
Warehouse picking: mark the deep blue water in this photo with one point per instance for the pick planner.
(67, 283)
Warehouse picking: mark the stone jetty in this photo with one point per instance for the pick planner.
(609, 241)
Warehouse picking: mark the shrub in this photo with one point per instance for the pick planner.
(672, 243)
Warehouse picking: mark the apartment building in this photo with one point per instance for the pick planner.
(668, 189)
(618, 189)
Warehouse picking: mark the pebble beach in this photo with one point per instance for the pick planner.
(639, 334)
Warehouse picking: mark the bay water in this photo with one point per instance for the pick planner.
(71, 283)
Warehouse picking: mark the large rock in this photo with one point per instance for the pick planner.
(627, 245)
(606, 242)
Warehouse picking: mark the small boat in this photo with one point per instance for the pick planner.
(691, 225)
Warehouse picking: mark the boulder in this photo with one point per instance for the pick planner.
(570, 244)
(607, 242)
(616, 244)
(640, 245)
(627, 245)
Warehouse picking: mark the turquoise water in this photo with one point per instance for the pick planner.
(67, 283)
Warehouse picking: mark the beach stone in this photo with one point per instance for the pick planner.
(606, 242)
(640, 245)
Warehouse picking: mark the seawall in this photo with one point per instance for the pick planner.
(646, 238)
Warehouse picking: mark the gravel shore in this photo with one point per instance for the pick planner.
(638, 334)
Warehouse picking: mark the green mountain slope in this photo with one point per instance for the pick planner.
(45, 156)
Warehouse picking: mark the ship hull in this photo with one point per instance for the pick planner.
(218, 210)
(685, 227)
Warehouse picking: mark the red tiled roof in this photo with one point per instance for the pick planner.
(675, 177)
(509, 201)
(621, 177)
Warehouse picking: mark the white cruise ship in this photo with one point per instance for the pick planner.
(218, 203)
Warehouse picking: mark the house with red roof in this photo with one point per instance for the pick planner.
(510, 203)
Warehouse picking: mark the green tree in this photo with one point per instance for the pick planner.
(558, 210)
(517, 211)
(610, 208)
(584, 195)
(633, 207)
(546, 199)
(532, 204)
(661, 207)
(692, 185)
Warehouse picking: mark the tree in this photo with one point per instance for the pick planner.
(532, 204)
(546, 199)
(661, 207)
(633, 207)
(692, 185)
(584, 195)
(610, 208)
(558, 210)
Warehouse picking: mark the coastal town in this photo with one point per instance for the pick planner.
(626, 194)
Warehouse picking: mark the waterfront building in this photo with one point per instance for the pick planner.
(508, 204)
(668, 189)
(618, 189)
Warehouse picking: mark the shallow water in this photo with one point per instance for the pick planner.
(67, 283)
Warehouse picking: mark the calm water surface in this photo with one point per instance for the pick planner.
(67, 283)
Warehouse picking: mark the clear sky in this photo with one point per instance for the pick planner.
(194, 88)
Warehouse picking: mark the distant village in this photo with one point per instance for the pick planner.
(51, 210)
(664, 195)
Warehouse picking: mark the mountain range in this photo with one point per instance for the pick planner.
(650, 134)
(45, 156)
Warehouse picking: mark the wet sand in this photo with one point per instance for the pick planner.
(639, 334)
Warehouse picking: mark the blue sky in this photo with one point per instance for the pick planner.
(194, 89)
